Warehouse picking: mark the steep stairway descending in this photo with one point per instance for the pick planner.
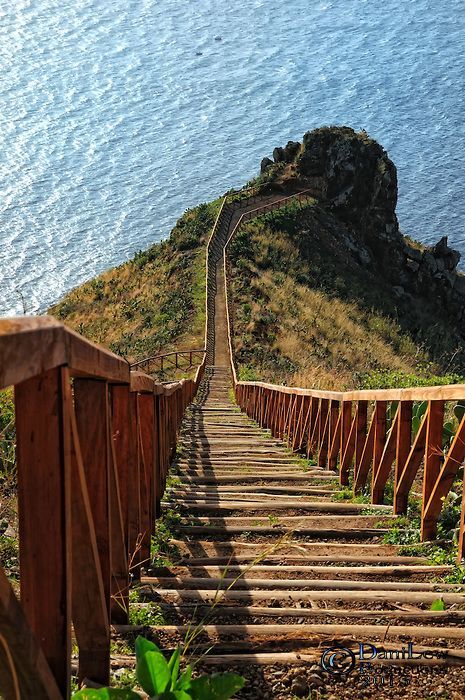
(271, 568)
(274, 567)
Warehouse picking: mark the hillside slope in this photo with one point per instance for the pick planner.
(332, 296)
(307, 312)
(335, 295)
(155, 302)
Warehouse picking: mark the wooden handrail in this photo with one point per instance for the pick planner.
(332, 427)
(94, 444)
(31, 345)
(148, 363)
(277, 204)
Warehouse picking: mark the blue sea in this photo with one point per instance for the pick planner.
(117, 115)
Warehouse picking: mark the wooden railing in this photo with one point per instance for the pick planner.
(94, 442)
(178, 359)
(302, 198)
(214, 253)
(370, 436)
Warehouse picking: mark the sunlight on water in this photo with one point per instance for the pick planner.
(115, 117)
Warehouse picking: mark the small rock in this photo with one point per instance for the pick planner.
(413, 253)
(278, 154)
(299, 687)
(441, 248)
(265, 164)
(290, 150)
(413, 265)
(315, 681)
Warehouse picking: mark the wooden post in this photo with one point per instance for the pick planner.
(433, 460)
(147, 423)
(156, 499)
(360, 434)
(44, 505)
(348, 454)
(119, 584)
(361, 474)
(90, 609)
(404, 439)
(323, 439)
(91, 405)
(124, 446)
(346, 420)
(379, 439)
(134, 517)
(333, 428)
(313, 426)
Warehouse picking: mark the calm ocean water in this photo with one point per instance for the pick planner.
(111, 124)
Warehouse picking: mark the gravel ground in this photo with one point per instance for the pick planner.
(311, 683)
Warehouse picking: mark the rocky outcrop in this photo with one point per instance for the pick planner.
(352, 174)
(432, 272)
(353, 178)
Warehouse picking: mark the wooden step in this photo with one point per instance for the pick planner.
(190, 609)
(455, 657)
(370, 595)
(300, 559)
(335, 585)
(305, 632)
(390, 570)
(287, 504)
(279, 530)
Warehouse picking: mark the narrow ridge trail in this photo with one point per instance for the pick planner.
(277, 569)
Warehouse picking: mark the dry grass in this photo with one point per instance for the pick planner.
(306, 313)
(153, 303)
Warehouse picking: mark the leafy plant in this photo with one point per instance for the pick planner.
(449, 518)
(438, 604)
(405, 531)
(163, 680)
(418, 411)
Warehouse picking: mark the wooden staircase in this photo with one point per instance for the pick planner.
(275, 569)
(271, 567)
(270, 571)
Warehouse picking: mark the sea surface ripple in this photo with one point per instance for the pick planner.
(117, 116)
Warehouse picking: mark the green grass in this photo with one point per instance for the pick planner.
(164, 552)
(150, 616)
(7, 442)
(347, 494)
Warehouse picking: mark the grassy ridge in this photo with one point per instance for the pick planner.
(154, 302)
(307, 313)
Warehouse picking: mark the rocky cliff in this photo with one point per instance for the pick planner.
(355, 180)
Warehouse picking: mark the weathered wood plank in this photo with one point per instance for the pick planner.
(24, 672)
(44, 505)
(91, 407)
(90, 614)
